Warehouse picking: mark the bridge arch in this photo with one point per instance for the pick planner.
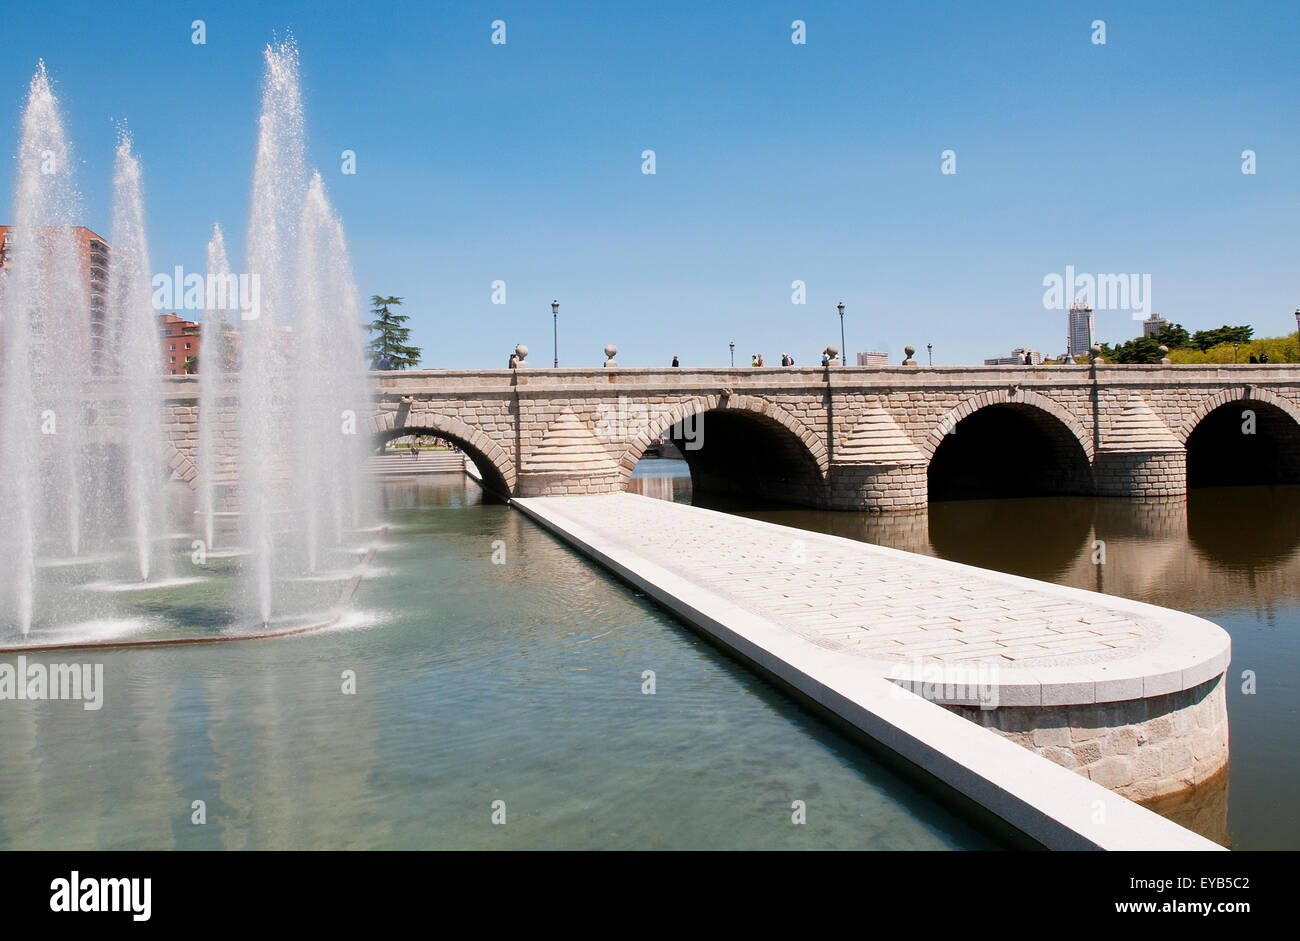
(747, 445)
(1028, 397)
(1225, 447)
(1236, 394)
(493, 462)
(1004, 443)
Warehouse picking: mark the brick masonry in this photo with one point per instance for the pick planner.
(844, 438)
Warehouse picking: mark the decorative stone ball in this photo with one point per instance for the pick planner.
(521, 351)
(909, 350)
(611, 351)
(1164, 356)
(832, 351)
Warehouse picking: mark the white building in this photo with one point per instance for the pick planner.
(1017, 358)
(1152, 326)
(873, 359)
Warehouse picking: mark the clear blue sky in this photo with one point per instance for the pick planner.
(775, 161)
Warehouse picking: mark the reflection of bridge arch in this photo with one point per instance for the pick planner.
(493, 462)
(748, 444)
(1000, 444)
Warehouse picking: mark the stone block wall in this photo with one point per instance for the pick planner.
(1144, 749)
(1141, 474)
(877, 487)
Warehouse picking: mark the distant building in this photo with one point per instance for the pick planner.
(1081, 329)
(180, 341)
(873, 359)
(1152, 326)
(1017, 358)
(94, 264)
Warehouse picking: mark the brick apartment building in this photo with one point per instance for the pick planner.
(180, 344)
(179, 337)
(94, 262)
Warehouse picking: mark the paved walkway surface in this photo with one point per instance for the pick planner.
(837, 620)
(902, 613)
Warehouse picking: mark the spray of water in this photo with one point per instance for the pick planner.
(278, 186)
(300, 390)
(135, 335)
(212, 383)
(44, 327)
(329, 383)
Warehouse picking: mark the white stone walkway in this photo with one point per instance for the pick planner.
(838, 619)
(1044, 644)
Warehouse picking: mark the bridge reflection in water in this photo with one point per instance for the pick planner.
(1231, 554)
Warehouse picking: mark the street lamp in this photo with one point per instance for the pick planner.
(733, 349)
(1234, 353)
(555, 330)
(1297, 321)
(844, 351)
(929, 351)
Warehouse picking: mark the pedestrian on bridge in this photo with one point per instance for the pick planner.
(675, 363)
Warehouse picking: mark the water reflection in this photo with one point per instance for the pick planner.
(519, 681)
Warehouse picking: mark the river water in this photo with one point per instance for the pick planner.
(520, 681)
(1229, 554)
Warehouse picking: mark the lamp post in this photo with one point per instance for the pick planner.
(555, 330)
(844, 350)
(1234, 354)
(929, 351)
(732, 344)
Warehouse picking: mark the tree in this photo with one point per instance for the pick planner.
(389, 349)
(1205, 340)
(1174, 336)
(1140, 350)
(191, 365)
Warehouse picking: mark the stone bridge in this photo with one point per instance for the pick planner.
(873, 438)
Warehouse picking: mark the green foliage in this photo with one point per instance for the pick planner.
(1140, 350)
(1174, 336)
(1203, 346)
(1205, 340)
(390, 341)
(1279, 349)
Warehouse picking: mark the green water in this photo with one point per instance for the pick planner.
(475, 682)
